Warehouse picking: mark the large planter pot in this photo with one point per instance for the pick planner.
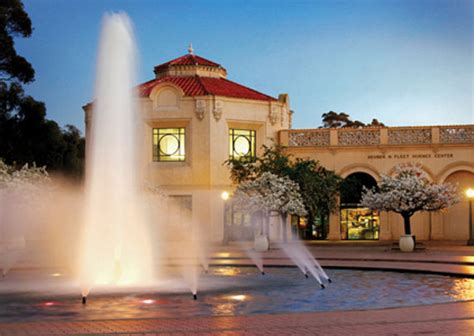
(406, 243)
(261, 243)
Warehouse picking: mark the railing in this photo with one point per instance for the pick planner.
(374, 136)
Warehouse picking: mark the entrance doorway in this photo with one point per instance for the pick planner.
(356, 222)
(317, 230)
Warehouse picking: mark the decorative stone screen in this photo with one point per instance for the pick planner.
(412, 136)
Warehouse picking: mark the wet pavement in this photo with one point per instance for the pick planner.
(427, 319)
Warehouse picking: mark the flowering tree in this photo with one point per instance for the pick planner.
(26, 180)
(318, 186)
(407, 192)
(18, 188)
(270, 193)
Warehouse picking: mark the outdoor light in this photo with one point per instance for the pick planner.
(56, 275)
(225, 195)
(148, 301)
(470, 196)
(470, 193)
(240, 297)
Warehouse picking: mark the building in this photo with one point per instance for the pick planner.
(195, 119)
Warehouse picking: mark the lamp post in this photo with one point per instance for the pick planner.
(470, 196)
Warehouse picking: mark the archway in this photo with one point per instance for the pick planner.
(356, 222)
(456, 219)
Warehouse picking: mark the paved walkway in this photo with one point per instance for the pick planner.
(439, 319)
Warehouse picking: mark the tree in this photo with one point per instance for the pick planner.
(27, 179)
(333, 119)
(25, 134)
(317, 185)
(407, 192)
(14, 22)
(319, 188)
(270, 193)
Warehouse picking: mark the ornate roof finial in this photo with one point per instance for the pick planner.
(190, 49)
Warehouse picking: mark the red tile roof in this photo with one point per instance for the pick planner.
(189, 59)
(203, 86)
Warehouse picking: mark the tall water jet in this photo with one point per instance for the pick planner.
(115, 247)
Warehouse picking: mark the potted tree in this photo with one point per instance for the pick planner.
(268, 194)
(406, 192)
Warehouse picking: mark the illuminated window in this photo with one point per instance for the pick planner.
(359, 224)
(169, 144)
(241, 144)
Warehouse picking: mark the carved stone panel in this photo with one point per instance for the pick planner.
(200, 109)
(218, 108)
(358, 137)
(308, 138)
(273, 115)
(409, 136)
(452, 135)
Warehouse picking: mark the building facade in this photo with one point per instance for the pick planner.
(195, 119)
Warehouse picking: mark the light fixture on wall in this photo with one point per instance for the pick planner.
(470, 196)
(225, 195)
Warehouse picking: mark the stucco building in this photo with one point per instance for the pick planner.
(195, 119)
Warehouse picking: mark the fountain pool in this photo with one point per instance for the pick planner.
(228, 291)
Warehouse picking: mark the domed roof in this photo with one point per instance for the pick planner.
(198, 76)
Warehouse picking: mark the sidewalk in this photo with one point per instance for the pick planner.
(438, 319)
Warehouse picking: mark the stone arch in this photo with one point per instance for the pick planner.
(357, 222)
(359, 168)
(166, 96)
(453, 168)
(428, 171)
(456, 218)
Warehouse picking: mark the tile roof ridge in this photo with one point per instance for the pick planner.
(248, 88)
(198, 79)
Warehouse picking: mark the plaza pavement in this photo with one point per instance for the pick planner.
(452, 258)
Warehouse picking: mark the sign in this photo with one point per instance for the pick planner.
(410, 156)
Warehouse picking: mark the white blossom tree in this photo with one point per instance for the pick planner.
(270, 193)
(28, 178)
(18, 190)
(408, 191)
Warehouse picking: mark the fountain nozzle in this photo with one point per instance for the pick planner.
(195, 297)
(84, 299)
(322, 286)
(329, 280)
(263, 273)
(306, 275)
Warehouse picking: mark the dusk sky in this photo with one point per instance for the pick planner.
(404, 62)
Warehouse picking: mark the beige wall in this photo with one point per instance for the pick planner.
(207, 121)
(446, 153)
(446, 158)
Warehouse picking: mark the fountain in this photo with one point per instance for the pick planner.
(303, 259)
(115, 247)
